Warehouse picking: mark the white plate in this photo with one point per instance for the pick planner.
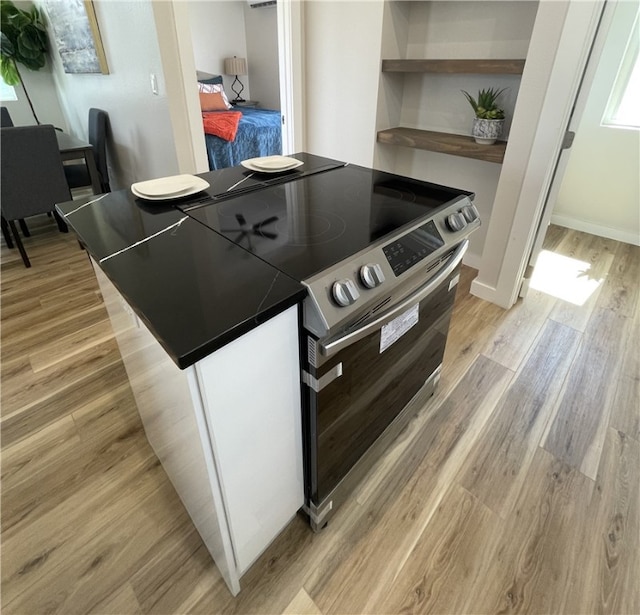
(271, 164)
(178, 195)
(276, 163)
(194, 189)
(166, 187)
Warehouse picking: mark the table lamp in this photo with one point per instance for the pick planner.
(236, 66)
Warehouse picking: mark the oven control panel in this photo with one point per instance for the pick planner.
(413, 247)
(368, 280)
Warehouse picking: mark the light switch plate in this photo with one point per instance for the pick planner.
(154, 83)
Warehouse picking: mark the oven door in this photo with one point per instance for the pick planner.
(367, 376)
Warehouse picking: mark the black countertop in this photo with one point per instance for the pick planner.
(194, 289)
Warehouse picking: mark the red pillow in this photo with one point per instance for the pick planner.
(212, 101)
(211, 88)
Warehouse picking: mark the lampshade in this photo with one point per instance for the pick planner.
(235, 66)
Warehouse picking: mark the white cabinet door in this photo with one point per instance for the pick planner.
(251, 395)
(170, 407)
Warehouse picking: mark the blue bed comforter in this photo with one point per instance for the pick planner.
(259, 134)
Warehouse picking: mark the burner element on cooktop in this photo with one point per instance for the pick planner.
(312, 229)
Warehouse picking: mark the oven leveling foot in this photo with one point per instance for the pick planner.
(317, 515)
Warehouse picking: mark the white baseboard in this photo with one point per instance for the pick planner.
(482, 290)
(489, 293)
(596, 229)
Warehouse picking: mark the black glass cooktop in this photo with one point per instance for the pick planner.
(304, 226)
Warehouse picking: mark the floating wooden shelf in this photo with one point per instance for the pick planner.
(445, 143)
(496, 67)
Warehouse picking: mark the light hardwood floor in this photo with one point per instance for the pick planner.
(516, 489)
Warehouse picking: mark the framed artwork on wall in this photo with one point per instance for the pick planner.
(77, 36)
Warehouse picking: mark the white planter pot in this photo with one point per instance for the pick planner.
(486, 132)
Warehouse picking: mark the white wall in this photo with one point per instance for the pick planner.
(600, 191)
(44, 98)
(261, 29)
(342, 47)
(218, 32)
(141, 144)
(42, 92)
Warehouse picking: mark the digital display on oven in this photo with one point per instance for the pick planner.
(412, 248)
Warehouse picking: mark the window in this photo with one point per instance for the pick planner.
(7, 92)
(623, 108)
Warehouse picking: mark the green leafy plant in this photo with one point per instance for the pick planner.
(24, 40)
(486, 106)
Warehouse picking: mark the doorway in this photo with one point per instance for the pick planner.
(596, 183)
(179, 67)
(604, 165)
(272, 33)
(222, 29)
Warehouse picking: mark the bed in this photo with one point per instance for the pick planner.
(259, 133)
(235, 133)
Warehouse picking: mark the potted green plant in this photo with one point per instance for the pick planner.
(23, 39)
(489, 119)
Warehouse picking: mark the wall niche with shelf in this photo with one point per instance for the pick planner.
(430, 51)
(450, 47)
(443, 141)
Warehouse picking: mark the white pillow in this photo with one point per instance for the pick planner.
(214, 88)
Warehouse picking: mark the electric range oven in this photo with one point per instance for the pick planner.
(380, 256)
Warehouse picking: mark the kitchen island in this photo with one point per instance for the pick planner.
(208, 333)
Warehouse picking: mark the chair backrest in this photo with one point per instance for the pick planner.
(98, 123)
(33, 179)
(5, 118)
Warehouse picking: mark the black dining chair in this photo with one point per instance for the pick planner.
(5, 118)
(33, 179)
(7, 122)
(78, 174)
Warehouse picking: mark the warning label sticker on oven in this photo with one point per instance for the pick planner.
(394, 330)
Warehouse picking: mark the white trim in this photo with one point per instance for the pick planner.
(179, 68)
(291, 65)
(488, 293)
(621, 92)
(596, 229)
(225, 558)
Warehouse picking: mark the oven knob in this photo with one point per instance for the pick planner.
(456, 221)
(371, 275)
(345, 292)
(470, 213)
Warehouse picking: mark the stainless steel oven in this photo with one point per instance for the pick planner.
(360, 373)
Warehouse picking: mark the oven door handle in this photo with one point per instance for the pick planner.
(332, 346)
